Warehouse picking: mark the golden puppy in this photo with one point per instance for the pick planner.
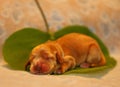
(66, 53)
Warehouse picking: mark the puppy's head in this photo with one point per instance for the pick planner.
(42, 60)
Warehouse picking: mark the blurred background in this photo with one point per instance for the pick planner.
(101, 16)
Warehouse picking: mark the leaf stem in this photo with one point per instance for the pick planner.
(43, 15)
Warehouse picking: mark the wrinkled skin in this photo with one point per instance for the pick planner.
(65, 53)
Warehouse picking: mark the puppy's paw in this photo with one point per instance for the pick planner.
(85, 65)
(59, 71)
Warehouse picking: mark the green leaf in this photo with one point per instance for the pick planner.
(17, 47)
(110, 64)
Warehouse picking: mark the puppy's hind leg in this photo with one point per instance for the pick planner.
(95, 56)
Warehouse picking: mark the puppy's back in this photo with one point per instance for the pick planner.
(76, 41)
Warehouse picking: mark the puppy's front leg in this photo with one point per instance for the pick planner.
(68, 63)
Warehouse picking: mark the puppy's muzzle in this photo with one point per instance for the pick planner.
(40, 68)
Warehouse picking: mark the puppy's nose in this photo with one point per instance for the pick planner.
(41, 68)
(37, 68)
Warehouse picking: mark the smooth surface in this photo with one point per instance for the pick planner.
(12, 78)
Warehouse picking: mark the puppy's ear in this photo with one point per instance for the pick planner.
(59, 54)
(29, 62)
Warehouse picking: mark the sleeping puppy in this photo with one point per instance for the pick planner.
(66, 53)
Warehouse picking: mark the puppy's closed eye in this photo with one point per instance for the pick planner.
(45, 54)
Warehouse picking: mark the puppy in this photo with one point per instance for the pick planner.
(66, 53)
